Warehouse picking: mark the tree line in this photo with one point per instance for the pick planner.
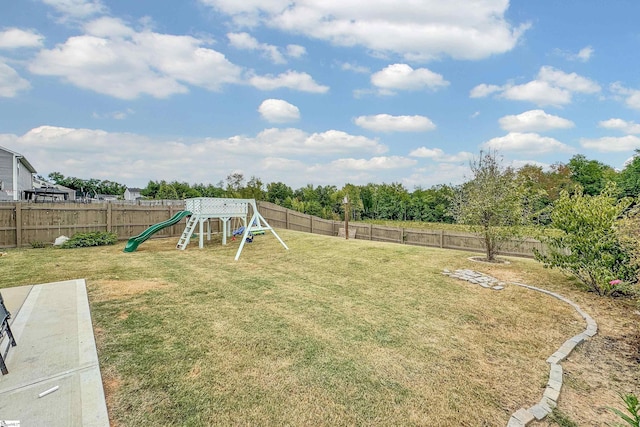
(386, 201)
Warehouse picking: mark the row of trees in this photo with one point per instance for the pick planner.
(388, 201)
(87, 187)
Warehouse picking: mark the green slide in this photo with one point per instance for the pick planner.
(133, 242)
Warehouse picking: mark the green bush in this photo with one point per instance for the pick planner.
(93, 238)
(588, 245)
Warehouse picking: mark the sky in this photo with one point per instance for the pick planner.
(321, 92)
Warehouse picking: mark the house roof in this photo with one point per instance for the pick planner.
(23, 159)
(134, 189)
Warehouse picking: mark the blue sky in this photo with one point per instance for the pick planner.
(322, 92)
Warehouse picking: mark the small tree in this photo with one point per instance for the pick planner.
(587, 243)
(493, 204)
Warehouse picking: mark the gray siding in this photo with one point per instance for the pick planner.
(25, 179)
(6, 175)
(24, 175)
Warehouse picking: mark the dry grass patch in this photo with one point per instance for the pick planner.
(111, 383)
(103, 290)
(331, 332)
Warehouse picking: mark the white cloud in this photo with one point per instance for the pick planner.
(296, 51)
(429, 29)
(585, 54)
(10, 82)
(483, 90)
(278, 111)
(77, 8)
(439, 155)
(611, 144)
(551, 87)
(621, 125)
(437, 174)
(534, 121)
(374, 163)
(403, 77)
(529, 143)
(358, 170)
(247, 42)
(539, 92)
(117, 115)
(631, 96)
(569, 81)
(347, 66)
(135, 159)
(13, 38)
(117, 61)
(108, 27)
(243, 41)
(388, 123)
(519, 164)
(291, 80)
(295, 142)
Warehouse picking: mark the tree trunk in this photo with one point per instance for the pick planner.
(489, 245)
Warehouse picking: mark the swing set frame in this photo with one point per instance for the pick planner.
(225, 209)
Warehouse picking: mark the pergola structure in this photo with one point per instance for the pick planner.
(205, 208)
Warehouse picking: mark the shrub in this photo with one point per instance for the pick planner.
(588, 245)
(38, 245)
(93, 238)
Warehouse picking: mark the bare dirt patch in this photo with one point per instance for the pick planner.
(195, 371)
(111, 383)
(498, 261)
(600, 369)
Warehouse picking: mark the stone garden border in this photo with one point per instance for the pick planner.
(549, 400)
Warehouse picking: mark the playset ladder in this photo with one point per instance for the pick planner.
(186, 234)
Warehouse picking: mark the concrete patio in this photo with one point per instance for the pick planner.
(56, 348)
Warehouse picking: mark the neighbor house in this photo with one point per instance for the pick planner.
(132, 193)
(16, 175)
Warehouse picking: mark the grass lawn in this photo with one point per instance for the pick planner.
(333, 332)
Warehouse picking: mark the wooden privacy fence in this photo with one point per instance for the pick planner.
(280, 217)
(22, 224)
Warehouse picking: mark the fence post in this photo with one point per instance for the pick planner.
(441, 239)
(287, 218)
(18, 224)
(172, 229)
(370, 231)
(109, 218)
(311, 223)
